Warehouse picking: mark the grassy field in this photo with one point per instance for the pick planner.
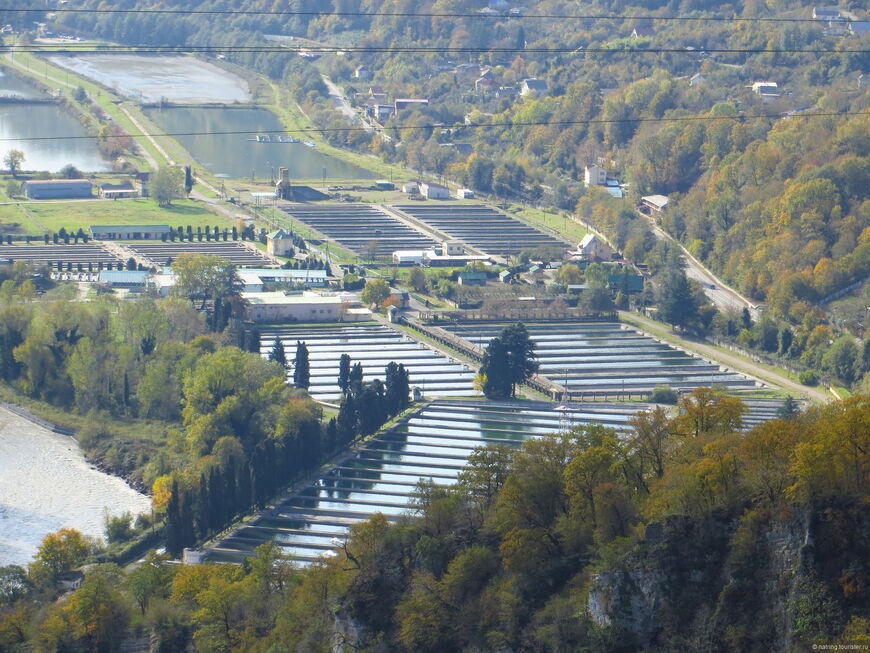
(551, 222)
(39, 218)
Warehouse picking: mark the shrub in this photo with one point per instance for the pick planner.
(118, 528)
(808, 377)
(663, 394)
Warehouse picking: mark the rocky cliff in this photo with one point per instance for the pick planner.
(763, 582)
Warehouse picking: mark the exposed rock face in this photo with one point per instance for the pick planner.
(347, 634)
(733, 585)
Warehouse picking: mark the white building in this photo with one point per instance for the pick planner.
(409, 256)
(767, 90)
(434, 191)
(411, 188)
(594, 175)
(533, 87)
(655, 203)
(279, 307)
(592, 247)
(280, 243)
(465, 194)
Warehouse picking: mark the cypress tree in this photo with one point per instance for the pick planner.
(277, 354)
(676, 300)
(254, 340)
(215, 492)
(202, 525)
(173, 528)
(520, 355)
(496, 369)
(356, 377)
(397, 388)
(404, 384)
(301, 367)
(344, 373)
(347, 419)
(188, 536)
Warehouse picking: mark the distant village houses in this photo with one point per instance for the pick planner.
(643, 33)
(533, 87)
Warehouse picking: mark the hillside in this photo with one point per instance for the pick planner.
(687, 535)
(778, 207)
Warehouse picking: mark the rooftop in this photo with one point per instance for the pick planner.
(659, 201)
(52, 182)
(281, 298)
(123, 276)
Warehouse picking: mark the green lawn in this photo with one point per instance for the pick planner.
(551, 221)
(39, 218)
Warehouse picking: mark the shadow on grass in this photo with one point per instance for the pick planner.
(185, 209)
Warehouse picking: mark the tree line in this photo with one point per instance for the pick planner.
(509, 556)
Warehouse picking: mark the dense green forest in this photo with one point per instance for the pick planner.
(685, 535)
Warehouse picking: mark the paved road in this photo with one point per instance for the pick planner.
(342, 104)
(739, 364)
(724, 297)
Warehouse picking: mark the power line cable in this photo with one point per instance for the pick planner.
(410, 14)
(328, 49)
(556, 123)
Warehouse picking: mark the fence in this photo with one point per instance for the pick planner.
(533, 315)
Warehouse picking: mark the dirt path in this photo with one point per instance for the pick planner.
(738, 363)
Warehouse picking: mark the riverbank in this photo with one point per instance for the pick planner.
(47, 484)
(116, 447)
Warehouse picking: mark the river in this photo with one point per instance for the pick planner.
(45, 121)
(46, 484)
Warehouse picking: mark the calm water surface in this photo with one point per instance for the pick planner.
(21, 121)
(234, 156)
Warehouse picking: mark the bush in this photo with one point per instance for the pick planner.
(118, 528)
(808, 378)
(663, 394)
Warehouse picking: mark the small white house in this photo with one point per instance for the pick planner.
(594, 175)
(533, 87)
(409, 256)
(452, 248)
(592, 247)
(767, 90)
(280, 243)
(411, 188)
(465, 194)
(434, 191)
(655, 203)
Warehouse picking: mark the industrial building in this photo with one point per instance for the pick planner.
(57, 189)
(279, 307)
